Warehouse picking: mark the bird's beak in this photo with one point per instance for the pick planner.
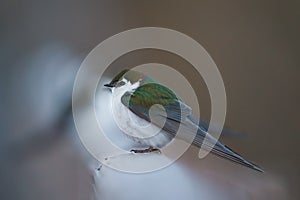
(109, 85)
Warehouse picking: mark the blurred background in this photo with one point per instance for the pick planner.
(255, 45)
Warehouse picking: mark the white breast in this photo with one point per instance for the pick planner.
(132, 125)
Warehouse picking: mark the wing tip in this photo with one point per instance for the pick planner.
(253, 166)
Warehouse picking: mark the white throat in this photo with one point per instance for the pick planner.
(127, 87)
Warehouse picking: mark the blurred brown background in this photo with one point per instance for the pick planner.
(255, 45)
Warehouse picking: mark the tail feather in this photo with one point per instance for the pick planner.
(221, 150)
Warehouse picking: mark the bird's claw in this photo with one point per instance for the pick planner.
(148, 150)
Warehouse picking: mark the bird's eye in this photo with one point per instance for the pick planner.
(121, 83)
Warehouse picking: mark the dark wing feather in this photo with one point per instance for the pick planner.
(162, 102)
(168, 111)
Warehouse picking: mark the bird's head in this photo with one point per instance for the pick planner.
(125, 76)
(117, 80)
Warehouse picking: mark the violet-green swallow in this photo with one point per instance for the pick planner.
(136, 93)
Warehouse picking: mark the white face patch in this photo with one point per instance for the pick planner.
(127, 87)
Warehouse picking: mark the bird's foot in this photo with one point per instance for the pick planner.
(148, 150)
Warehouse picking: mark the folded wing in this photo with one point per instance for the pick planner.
(168, 112)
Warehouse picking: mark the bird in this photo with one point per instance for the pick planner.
(139, 100)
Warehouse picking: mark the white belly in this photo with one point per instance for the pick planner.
(135, 127)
